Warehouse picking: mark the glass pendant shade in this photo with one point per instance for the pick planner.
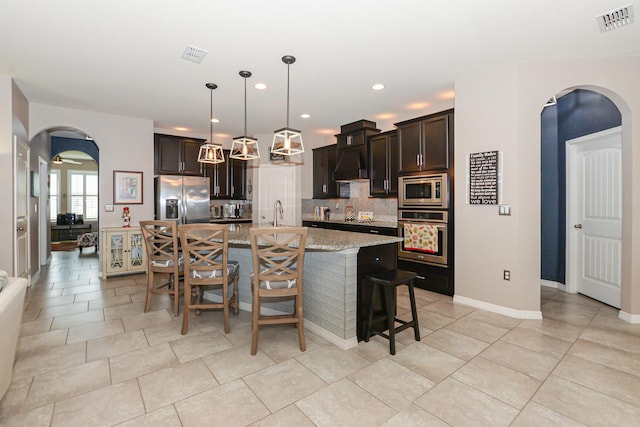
(244, 147)
(287, 141)
(57, 160)
(210, 152)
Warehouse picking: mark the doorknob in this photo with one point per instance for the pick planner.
(577, 226)
(20, 228)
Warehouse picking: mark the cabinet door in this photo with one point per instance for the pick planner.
(168, 154)
(435, 134)
(190, 151)
(392, 152)
(135, 259)
(115, 253)
(409, 147)
(332, 185)
(378, 166)
(320, 173)
(238, 179)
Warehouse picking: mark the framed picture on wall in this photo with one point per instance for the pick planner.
(127, 188)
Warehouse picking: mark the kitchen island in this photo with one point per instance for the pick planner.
(335, 262)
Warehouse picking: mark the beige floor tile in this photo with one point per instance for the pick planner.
(553, 328)
(165, 417)
(461, 405)
(477, 329)
(585, 405)
(49, 360)
(413, 415)
(41, 302)
(392, 383)
(176, 383)
(289, 416)
(34, 343)
(377, 348)
(280, 342)
(233, 402)
(537, 341)
(344, 403)
(605, 379)
(432, 320)
(607, 356)
(39, 417)
(72, 281)
(100, 303)
(494, 319)
(113, 345)
(34, 327)
(65, 383)
(577, 319)
(90, 296)
(140, 362)
(61, 310)
(13, 400)
(236, 363)
(281, 385)
(534, 415)
(331, 363)
(428, 361)
(144, 320)
(95, 330)
(199, 345)
(450, 309)
(110, 405)
(529, 362)
(80, 319)
(81, 289)
(503, 383)
(456, 344)
(622, 340)
(167, 332)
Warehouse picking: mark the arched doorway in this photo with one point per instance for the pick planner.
(576, 115)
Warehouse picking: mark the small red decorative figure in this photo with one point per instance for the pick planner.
(126, 217)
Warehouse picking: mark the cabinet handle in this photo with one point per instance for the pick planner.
(374, 231)
(421, 277)
(324, 188)
(349, 139)
(418, 159)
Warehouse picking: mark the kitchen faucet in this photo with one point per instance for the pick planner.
(277, 208)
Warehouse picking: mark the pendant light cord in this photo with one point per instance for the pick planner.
(211, 116)
(288, 66)
(245, 107)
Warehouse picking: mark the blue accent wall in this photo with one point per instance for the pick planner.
(579, 113)
(61, 144)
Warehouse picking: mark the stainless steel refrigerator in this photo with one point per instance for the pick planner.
(182, 198)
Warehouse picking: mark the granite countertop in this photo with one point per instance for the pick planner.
(228, 220)
(319, 239)
(386, 224)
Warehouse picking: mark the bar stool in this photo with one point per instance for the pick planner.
(388, 281)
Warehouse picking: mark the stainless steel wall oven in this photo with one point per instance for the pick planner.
(424, 236)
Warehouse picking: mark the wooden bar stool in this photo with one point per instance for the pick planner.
(388, 281)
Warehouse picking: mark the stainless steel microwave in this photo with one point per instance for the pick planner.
(423, 191)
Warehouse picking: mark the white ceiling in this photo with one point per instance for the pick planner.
(123, 56)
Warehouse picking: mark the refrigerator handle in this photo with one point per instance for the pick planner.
(183, 212)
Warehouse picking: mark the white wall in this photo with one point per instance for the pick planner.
(6, 175)
(499, 109)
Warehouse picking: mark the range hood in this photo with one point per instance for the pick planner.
(352, 165)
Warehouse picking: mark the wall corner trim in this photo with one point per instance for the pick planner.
(505, 311)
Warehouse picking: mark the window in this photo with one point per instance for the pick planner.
(54, 194)
(83, 188)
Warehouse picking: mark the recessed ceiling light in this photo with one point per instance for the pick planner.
(260, 86)
(377, 86)
(305, 115)
(181, 129)
(214, 120)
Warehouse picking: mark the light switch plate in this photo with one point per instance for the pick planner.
(504, 209)
(108, 208)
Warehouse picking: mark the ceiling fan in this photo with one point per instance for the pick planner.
(58, 160)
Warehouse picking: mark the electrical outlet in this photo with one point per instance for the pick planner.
(506, 275)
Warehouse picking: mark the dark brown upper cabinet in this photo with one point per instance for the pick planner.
(324, 164)
(176, 155)
(424, 143)
(383, 164)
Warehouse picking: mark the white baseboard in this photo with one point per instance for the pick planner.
(627, 317)
(555, 285)
(505, 311)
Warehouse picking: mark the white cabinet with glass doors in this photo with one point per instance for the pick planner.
(124, 251)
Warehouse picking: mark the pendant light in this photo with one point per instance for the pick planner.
(287, 141)
(57, 160)
(244, 147)
(210, 152)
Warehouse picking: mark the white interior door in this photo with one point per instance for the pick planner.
(278, 183)
(594, 217)
(21, 209)
(43, 214)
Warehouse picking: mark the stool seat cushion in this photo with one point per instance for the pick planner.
(232, 268)
(167, 262)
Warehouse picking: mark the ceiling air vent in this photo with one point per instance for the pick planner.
(615, 18)
(194, 54)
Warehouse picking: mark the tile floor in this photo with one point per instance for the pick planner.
(89, 356)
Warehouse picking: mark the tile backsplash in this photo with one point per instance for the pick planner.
(384, 209)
